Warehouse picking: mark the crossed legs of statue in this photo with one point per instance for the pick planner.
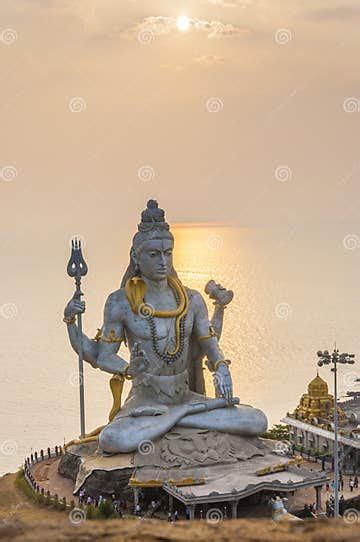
(125, 434)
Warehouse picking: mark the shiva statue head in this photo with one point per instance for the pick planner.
(151, 253)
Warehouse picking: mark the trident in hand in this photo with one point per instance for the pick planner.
(77, 268)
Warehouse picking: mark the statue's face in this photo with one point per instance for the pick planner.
(156, 258)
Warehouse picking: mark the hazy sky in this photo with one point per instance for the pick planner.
(240, 111)
(251, 115)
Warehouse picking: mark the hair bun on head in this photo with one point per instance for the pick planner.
(152, 217)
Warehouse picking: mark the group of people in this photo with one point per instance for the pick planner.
(353, 484)
(171, 516)
(142, 508)
(330, 506)
(310, 511)
(119, 505)
(175, 516)
(138, 509)
(330, 502)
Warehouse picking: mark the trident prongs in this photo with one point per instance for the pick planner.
(76, 266)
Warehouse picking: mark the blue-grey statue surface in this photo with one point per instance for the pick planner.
(167, 329)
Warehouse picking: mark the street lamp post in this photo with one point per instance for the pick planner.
(325, 358)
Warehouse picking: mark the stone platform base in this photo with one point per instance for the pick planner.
(193, 466)
(183, 457)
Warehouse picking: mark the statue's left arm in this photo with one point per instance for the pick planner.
(209, 345)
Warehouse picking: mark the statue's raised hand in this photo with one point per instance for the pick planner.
(74, 307)
(138, 361)
(218, 293)
(223, 383)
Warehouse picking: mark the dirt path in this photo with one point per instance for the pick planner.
(47, 476)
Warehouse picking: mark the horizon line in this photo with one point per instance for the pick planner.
(212, 224)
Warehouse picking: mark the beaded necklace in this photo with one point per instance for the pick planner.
(168, 357)
(135, 289)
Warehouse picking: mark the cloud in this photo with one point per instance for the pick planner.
(340, 13)
(209, 60)
(223, 3)
(205, 61)
(232, 3)
(159, 25)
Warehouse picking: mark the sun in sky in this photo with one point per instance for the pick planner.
(183, 23)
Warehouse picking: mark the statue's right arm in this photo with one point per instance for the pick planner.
(90, 347)
(112, 333)
(101, 353)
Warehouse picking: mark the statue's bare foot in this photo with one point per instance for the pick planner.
(149, 411)
(212, 404)
(241, 420)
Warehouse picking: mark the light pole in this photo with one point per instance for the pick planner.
(325, 358)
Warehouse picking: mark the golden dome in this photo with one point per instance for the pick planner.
(317, 405)
(318, 387)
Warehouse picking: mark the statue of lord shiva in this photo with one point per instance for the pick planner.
(166, 327)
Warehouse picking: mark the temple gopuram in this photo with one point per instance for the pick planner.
(312, 426)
